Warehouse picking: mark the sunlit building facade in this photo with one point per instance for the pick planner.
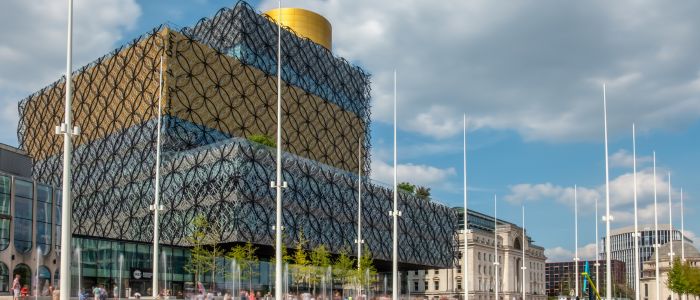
(219, 95)
(441, 283)
(622, 245)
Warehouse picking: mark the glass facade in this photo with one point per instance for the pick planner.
(58, 198)
(4, 212)
(622, 246)
(24, 194)
(4, 278)
(43, 218)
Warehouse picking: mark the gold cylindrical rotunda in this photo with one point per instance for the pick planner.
(306, 24)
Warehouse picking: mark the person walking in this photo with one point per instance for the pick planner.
(16, 286)
(96, 292)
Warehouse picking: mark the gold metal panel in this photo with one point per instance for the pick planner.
(306, 24)
(114, 93)
(217, 91)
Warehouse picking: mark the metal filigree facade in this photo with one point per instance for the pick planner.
(219, 88)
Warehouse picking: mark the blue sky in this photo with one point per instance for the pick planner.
(528, 74)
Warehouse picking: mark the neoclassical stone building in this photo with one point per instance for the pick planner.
(448, 283)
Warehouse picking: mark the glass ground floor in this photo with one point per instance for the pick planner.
(125, 268)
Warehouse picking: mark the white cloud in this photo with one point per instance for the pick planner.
(621, 190)
(33, 45)
(559, 253)
(624, 159)
(526, 66)
(422, 175)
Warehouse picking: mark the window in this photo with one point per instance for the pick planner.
(425, 284)
(44, 278)
(459, 284)
(25, 274)
(4, 212)
(437, 285)
(479, 255)
(415, 286)
(43, 218)
(437, 271)
(4, 278)
(24, 193)
(646, 290)
(58, 200)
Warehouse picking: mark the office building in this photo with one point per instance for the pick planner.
(648, 282)
(622, 245)
(219, 96)
(448, 283)
(561, 277)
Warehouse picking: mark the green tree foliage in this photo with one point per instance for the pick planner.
(343, 267)
(407, 187)
(263, 140)
(694, 279)
(320, 261)
(423, 193)
(205, 238)
(246, 259)
(301, 270)
(684, 279)
(367, 273)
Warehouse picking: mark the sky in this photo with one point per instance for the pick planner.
(528, 74)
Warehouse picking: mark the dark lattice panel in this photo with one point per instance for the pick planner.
(220, 86)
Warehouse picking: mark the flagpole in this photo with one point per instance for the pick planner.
(597, 251)
(682, 230)
(656, 233)
(278, 184)
(67, 130)
(576, 258)
(636, 234)
(670, 225)
(359, 214)
(524, 242)
(495, 243)
(608, 217)
(395, 214)
(465, 217)
(156, 206)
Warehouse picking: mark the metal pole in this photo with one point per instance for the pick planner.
(395, 214)
(656, 233)
(523, 246)
(66, 206)
(156, 206)
(495, 244)
(278, 184)
(576, 259)
(670, 225)
(359, 215)
(682, 230)
(465, 252)
(608, 217)
(597, 252)
(636, 234)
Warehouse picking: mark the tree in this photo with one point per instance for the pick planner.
(320, 260)
(366, 271)
(262, 139)
(423, 193)
(301, 265)
(246, 259)
(407, 187)
(343, 266)
(694, 280)
(204, 239)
